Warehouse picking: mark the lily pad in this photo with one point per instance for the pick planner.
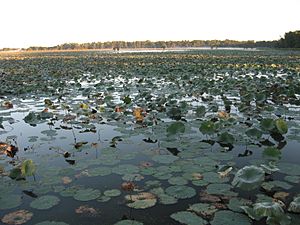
(295, 205)
(51, 223)
(9, 201)
(87, 194)
(142, 200)
(164, 159)
(281, 126)
(181, 191)
(128, 222)
(249, 177)
(188, 218)
(175, 128)
(112, 193)
(45, 202)
(226, 217)
(17, 217)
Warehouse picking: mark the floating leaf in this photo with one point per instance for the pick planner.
(128, 222)
(200, 111)
(17, 217)
(295, 205)
(45, 202)
(249, 177)
(175, 128)
(9, 201)
(181, 191)
(142, 200)
(226, 217)
(281, 126)
(226, 138)
(207, 127)
(87, 194)
(165, 159)
(188, 218)
(272, 153)
(267, 124)
(112, 193)
(203, 209)
(51, 223)
(254, 133)
(28, 168)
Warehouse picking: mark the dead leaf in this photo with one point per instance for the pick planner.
(281, 195)
(137, 112)
(7, 105)
(128, 186)
(66, 180)
(205, 197)
(17, 217)
(225, 173)
(197, 176)
(223, 115)
(87, 210)
(7, 149)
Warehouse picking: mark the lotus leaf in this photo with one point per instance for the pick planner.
(226, 138)
(45, 202)
(181, 191)
(87, 194)
(142, 200)
(112, 193)
(295, 205)
(207, 127)
(51, 223)
(281, 126)
(28, 168)
(249, 177)
(9, 201)
(175, 128)
(128, 222)
(226, 217)
(17, 217)
(188, 218)
(164, 159)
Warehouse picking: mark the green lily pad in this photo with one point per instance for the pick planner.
(112, 193)
(292, 179)
(51, 223)
(226, 217)
(226, 138)
(177, 181)
(188, 218)
(249, 177)
(128, 222)
(267, 124)
(175, 128)
(9, 201)
(125, 169)
(87, 194)
(141, 200)
(281, 126)
(99, 171)
(28, 168)
(45, 202)
(295, 205)
(272, 153)
(220, 189)
(207, 127)
(254, 133)
(181, 191)
(164, 159)
(203, 209)
(200, 111)
(289, 169)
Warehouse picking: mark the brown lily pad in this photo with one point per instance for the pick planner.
(17, 217)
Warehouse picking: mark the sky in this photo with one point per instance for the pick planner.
(25, 23)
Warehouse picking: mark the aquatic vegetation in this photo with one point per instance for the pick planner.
(192, 132)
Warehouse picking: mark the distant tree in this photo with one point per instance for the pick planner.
(290, 40)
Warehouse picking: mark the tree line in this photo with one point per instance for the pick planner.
(290, 40)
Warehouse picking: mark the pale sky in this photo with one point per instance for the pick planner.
(25, 23)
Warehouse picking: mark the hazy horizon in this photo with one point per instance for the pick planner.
(50, 23)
